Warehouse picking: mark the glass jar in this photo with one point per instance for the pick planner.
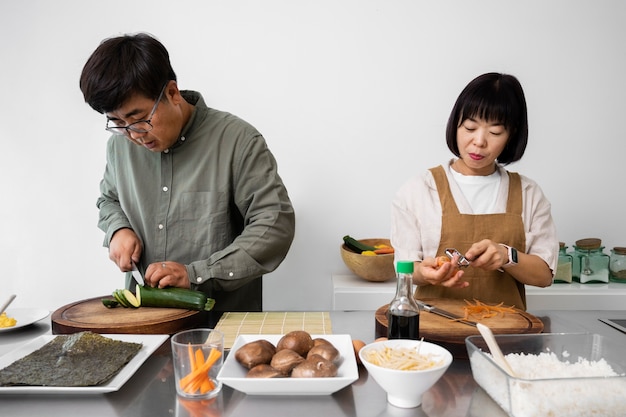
(617, 266)
(564, 266)
(591, 264)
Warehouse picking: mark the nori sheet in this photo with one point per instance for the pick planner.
(78, 360)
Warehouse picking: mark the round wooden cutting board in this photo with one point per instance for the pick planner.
(92, 315)
(452, 334)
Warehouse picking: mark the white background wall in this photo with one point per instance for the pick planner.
(351, 95)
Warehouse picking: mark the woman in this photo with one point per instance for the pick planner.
(498, 220)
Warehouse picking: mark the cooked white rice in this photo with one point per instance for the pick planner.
(548, 387)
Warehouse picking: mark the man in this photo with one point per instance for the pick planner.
(191, 195)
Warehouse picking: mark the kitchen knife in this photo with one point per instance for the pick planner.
(444, 313)
(137, 275)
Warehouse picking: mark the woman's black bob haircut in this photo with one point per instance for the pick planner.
(123, 66)
(496, 98)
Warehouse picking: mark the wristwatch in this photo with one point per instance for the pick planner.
(512, 255)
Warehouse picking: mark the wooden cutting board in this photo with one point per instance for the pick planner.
(92, 315)
(441, 330)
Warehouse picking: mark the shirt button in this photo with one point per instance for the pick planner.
(165, 189)
(199, 279)
(166, 151)
(231, 274)
(182, 138)
(160, 227)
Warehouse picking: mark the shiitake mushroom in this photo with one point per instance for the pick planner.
(320, 341)
(285, 360)
(255, 353)
(296, 354)
(264, 371)
(315, 367)
(325, 350)
(299, 341)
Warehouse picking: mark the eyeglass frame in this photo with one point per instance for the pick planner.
(129, 128)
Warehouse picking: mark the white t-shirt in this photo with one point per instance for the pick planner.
(479, 191)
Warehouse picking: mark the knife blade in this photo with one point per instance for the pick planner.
(137, 275)
(444, 313)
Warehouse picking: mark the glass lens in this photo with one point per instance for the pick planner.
(142, 126)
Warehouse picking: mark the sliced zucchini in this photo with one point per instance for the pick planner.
(110, 302)
(130, 298)
(119, 297)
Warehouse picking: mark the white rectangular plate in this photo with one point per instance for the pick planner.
(151, 342)
(233, 373)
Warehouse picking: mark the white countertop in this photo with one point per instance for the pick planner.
(353, 293)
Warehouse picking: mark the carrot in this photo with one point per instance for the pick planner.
(199, 359)
(198, 378)
(383, 251)
(485, 310)
(442, 260)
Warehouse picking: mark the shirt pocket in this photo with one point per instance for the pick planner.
(205, 220)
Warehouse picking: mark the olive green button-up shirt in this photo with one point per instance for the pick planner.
(214, 202)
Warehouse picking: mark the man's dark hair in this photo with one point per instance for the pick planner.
(124, 66)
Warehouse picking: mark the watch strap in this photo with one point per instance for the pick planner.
(512, 254)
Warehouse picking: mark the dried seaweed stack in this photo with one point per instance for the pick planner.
(78, 360)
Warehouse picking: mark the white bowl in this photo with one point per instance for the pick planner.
(405, 388)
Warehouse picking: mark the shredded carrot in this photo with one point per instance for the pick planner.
(485, 311)
(198, 378)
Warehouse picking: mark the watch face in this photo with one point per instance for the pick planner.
(513, 255)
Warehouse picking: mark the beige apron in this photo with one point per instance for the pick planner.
(460, 231)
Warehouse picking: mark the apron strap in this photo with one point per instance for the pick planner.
(448, 205)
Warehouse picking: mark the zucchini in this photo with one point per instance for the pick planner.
(174, 298)
(119, 297)
(130, 298)
(357, 246)
(110, 302)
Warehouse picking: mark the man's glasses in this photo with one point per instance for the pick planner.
(141, 126)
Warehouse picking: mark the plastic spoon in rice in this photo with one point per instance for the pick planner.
(487, 334)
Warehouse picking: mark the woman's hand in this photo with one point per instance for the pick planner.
(488, 255)
(529, 270)
(446, 274)
(167, 274)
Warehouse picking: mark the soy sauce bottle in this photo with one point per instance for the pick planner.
(404, 313)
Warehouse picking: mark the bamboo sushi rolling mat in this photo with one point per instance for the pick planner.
(233, 324)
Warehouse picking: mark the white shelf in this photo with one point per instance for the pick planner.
(353, 293)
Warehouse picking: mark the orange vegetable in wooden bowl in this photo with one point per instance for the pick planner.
(376, 268)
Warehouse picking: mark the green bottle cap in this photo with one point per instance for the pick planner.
(404, 267)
